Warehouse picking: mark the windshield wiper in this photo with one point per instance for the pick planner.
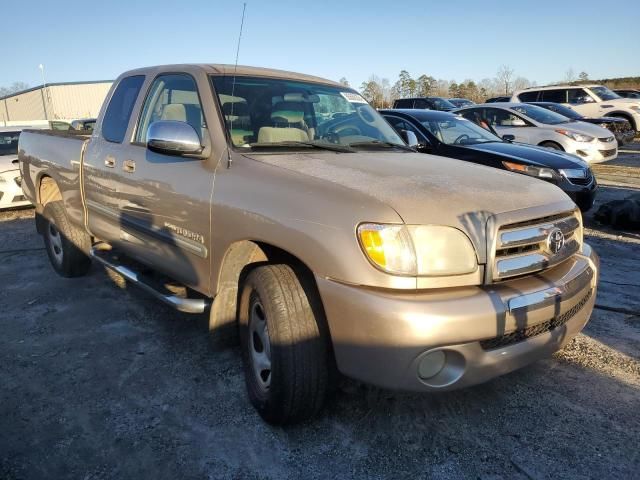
(294, 144)
(381, 143)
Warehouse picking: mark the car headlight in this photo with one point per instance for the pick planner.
(574, 172)
(422, 250)
(540, 172)
(578, 137)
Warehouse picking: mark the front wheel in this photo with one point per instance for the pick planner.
(552, 145)
(65, 243)
(285, 346)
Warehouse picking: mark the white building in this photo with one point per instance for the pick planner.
(54, 101)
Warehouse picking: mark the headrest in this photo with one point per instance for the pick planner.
(291, 112)
(174, 111)
(237, 109)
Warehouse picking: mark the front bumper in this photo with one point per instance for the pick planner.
(593, 152)
(386, 338)
(11, 194)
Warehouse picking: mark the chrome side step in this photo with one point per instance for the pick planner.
(182, 304)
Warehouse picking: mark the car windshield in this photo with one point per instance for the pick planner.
(563, 110)
(442, 104)
(604, 93)
(264, 112)
(541, 115)
(459, 131)
(9, 143)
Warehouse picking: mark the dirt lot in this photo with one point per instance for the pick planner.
(98, 383)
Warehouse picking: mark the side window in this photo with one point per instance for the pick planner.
(420, 104)
(577, 96)
(171, 97)
(528, 96)
(116, 117)
(400, 124)
(555, 96)
(503, 118)
(404, 103)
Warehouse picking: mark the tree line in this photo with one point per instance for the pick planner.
(381, 93)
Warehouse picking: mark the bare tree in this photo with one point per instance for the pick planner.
(583, 76)
(344, 82)
(569, 76)
(15, 87)
(504, 76)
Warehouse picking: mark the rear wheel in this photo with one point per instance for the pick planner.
(285, 347)
(552, 145)
(65, 243)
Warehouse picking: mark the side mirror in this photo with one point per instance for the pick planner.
(409, 137)
(173, 138)
(424, 147)
(509, 138)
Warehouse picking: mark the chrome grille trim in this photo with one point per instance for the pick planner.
(521, 248)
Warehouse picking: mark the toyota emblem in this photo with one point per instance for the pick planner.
(555, 240)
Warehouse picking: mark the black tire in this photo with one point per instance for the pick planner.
(65, 243)
(552, 145)
(298, 342)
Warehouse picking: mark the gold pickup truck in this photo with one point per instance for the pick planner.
(288, 209)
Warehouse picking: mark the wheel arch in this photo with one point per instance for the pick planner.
(627, 116)
(239, 260)
(547, 142)
(47, 191)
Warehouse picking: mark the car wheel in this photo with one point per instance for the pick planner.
(65, 243)
(552, 145)
(284, 344)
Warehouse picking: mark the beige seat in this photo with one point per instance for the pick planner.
(236, 115)
(184, 112)
(288, 123)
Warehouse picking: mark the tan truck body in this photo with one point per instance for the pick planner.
(205, 222)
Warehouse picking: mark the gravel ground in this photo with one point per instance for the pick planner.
(98, 383)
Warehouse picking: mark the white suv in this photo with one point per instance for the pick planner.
(589, 100)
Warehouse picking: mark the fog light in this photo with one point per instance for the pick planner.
(431, 364)
(582, 153)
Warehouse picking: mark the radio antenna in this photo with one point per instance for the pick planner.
(233, 85)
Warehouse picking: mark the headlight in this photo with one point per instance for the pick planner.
(574, 172)
(578, 137)
(425, 250)
(540, 172)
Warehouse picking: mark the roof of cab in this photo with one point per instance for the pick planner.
(240, 70)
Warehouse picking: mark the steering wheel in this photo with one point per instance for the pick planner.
(365, 115)
(460, 138)
(344, 130)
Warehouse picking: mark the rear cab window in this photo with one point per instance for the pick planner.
(116, 118)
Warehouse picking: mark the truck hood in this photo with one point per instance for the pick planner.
(426, 189)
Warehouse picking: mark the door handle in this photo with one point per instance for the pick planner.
(129, 166)
(110, 162)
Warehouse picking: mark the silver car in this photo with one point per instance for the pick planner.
(10, 180)
(534, 125)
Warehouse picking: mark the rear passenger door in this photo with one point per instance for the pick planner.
(505, 122)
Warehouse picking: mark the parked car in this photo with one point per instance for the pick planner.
(430, 103)
(87, 124)
(461, 102)
(497, 99)
(620, 127)
(628, 93)
(453, 136)
(524, 123)
(589, 100)
(11, 195)
(321, 243)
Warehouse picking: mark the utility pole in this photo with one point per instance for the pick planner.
(43, 92)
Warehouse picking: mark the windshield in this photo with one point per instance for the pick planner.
(604, 93)
(562, 110)
(442, 104)
(541, 115)
(9, 143)
(459, 131)
(264, 112)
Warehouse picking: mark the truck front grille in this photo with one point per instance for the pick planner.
(527, 247)
(534, 330)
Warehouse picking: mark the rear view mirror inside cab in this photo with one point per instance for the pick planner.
(301, 97)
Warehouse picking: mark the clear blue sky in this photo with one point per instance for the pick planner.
(460, 39)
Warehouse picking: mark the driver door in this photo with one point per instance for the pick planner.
(580, 100)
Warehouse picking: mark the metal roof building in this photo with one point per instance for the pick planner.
(54, 101)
